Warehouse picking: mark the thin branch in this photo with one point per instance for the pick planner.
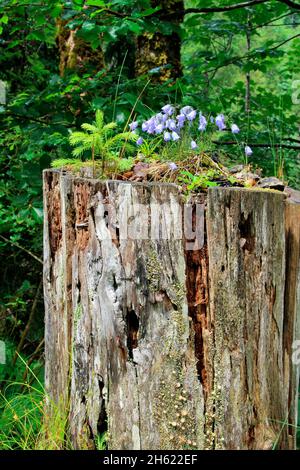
(233, 60)
(225, 9)
(22, 248)
(260, 145)
(38, 120)
(213, 9)
(267, 23)
(178, 13)
(284, 42)
(292, 139)
(290, 4)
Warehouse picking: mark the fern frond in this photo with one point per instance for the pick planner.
(89, 127)
(129, 136)
(99, 119)
(79, 151)
(120, 138)
(79, 138)
(109, 126)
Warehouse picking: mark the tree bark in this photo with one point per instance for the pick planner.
(160, 52)
(161, 345)
(75, 53)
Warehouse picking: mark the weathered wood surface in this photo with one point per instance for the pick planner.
(167, 347)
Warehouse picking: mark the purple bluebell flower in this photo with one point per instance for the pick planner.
(248, 151)
(235, 129)
(133, 125)
(159, 117)
(151, 126)
(173, 166)
(202, 123)
(191, 116)
(159, 128)
(171, 124)
(186, 110)
(167, 136)
(220, 122)
(181, 118)
(168, 109)
(145, 126)
(140, 141)
(193, 145)
(175, 136)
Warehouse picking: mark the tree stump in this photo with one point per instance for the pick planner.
(171, 325)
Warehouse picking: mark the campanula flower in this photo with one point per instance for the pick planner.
(159, 116)
(191, 116)
(175, 136)
(168, 109)
(202, 123)
(140, 141)
(248, 151)
(181, 118)
(173, 166)
(186, 110)
(220, 122)
(159, 128)
(133, 125)
(167, 136)
(235, 129)
(151, 126)
(145, 126)
(171, 124)
(193, 145)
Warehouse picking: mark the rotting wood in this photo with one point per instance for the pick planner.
(169, 348)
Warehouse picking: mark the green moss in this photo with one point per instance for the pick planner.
(77, 314)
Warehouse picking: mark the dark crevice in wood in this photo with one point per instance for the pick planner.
(197, 297)
(54, 212)
(290, 301)
(79, 292)
(82, 195)
(132, 324)
(102, 425)
(247, 237)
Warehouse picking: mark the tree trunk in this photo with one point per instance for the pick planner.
(159, 52)
(75, 53)
(169, 341)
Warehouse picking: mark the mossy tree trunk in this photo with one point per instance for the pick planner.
(160, 52)
(166, 342)
(75, 53)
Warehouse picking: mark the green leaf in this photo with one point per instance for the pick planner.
(147, 12)
(4, 19)
(134, 27)
(96, 3)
